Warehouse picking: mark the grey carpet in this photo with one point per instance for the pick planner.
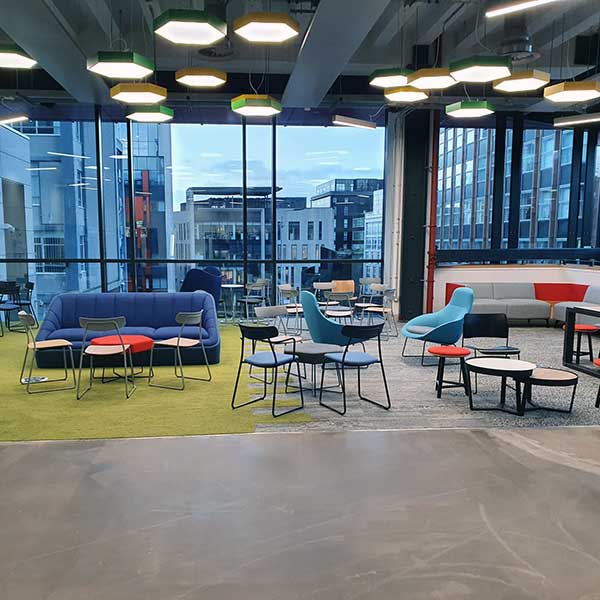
(414, 402)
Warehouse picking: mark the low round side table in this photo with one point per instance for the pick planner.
(137, 345)
(505, 368)
(444, 352)
(546, 377)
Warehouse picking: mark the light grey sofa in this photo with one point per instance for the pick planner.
(590, 300)
(515, 300)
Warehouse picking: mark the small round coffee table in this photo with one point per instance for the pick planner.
(136, 343)
(310, 353)
(505, 368)
(546, 377)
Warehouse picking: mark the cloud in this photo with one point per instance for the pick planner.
(211, 154)
(321, 152)
(333, 162)
(362, 169)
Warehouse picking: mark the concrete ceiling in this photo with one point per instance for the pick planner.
(338, 37)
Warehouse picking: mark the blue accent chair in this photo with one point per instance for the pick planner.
(442, 327)
(208, 279)
(151, 314)
(322, 330)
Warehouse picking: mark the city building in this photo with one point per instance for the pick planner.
(373, 236)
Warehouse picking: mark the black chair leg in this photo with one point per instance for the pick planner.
(440, 382)
(590, 349)
(343, 382)
(384, 406)
(598, 398)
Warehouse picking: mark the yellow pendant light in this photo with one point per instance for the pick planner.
(266, 27)
(573, 91)
(431, 79)
(523, 81)
(138, 93)
(405, 93)
(201, 77)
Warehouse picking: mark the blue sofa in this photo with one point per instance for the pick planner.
(149, 314)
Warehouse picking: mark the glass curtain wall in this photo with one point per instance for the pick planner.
(465, 188)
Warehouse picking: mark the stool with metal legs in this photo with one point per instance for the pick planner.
(184, 319)
(29, 322)
(112, 324)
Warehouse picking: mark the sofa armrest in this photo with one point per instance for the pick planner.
(52, 320)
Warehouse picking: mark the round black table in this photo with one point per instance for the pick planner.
(311, 353)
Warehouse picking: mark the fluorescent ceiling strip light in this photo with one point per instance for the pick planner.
(514, 7)
(352, 122)
(118, 156)
(577, 120)
(10, 119)
(77, 184)
(67, 155)
(42, 169)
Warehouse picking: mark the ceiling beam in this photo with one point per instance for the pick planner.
(103, 14)
(53, 44)
(438, 19)
(332, 39)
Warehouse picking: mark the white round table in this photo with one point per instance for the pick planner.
(232, 288)
(505, 368)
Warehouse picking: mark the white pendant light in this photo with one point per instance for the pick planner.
(405, 93)
(192, 27)
(573, 91)
(352, 122)
(431, 79)
(523, 81)
(12, 118)
(256, 105)
(13, 57)
(200, 77)
(469, 109)
(138, 93)
(266, 27)
(389, 78)
(150, 114)
(575, 120)
(121, 65)
(480, 69)
(507, 9)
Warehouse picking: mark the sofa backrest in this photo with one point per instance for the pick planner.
(592, 294)
(139, 309)
(481, 290)
(516, 290)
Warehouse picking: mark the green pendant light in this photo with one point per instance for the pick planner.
(255, 105)
(481, 69)
(13, 57)
(150, 113)
(121, 65)
(469, 109)
(192, 27)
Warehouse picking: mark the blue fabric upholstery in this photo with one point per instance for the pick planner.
(266, 360)
(208, 280)
(322, 330)
(352, 359)
(446, 324)
(149, 314)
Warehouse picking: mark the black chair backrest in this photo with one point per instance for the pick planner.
(258, 332)
(362, 333)
(493, 325)
(9, 290)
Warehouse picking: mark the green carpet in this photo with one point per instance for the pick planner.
(203, 408)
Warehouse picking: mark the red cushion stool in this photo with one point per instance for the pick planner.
(444, 352)
(587, 330)
(137, 343)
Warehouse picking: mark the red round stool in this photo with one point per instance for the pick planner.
(137, 343)
(580, 330)
(444, 352)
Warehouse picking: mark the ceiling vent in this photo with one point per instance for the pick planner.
(516, 41)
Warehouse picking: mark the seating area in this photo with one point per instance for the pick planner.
(315, 281)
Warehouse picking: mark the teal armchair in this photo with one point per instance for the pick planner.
(322, 330)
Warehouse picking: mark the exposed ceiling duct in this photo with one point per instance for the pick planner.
(516, 41)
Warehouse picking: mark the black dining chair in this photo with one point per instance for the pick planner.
(25, 301)
(267, 360)
(9, 298)
(352, 359)
(493, 326)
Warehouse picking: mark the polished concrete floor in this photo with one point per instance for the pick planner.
(486, 514)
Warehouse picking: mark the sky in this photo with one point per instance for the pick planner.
(211, 155)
